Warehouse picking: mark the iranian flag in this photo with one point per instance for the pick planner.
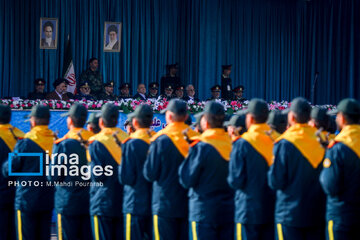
(69, 73)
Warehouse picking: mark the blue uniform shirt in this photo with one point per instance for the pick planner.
(254, 200)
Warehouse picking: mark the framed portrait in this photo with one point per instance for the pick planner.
(48, 33)
(112, 36)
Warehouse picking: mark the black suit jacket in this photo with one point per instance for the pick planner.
(137, 95)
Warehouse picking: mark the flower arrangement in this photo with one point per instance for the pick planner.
(129, 105)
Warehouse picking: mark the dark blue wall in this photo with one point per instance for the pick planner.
(275, 46)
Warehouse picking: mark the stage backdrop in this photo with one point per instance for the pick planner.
(276, 46)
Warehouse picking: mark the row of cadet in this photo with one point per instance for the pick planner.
(180, 184)
(92, 87)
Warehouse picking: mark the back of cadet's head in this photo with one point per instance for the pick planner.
(5, 114)
(178, 108)
(109, 115)
(350, 108)
(301, 110)
(40, 114)
(320, 117)
(214, 114)
(78, 115)
(259, 109)
(143, 114)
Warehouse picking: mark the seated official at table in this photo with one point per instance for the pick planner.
(215, 93)
(84, 92)
(108, 92)
(60, 91)
(190, 93)
(168, 93)
(238, 93)
(141, 92)
(153, 90)
(38, 93)
(125, 91)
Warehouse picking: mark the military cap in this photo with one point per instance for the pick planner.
(59, 81)
(214, 108)
(347, 106)
(277, 120)
(239, 89)
(216, 88)
(256, 107)
(180, 87)
(142, 111)
(124, 85)
(84, 84)
(40, 111)
(236, 121)
(299, 106)
(109, 84)
(109, 112)
(39, 81)
(5, 113)
(93, 118)
(226, 67)
(198, 117)
(154, 85)
(320, 115)
(169, 86)
(76, 110)
(176, 106)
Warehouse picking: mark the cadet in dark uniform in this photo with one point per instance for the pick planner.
(340, 177)
(9, 135)
(33, 204)
(93, 123)
(168, 95)
(277, 121)
(204, 172)
(153, 90)
(179, 92)
(300, 201)
(137, 191)
(238, 93)
(170, 78)
(249, 164)
(167, 150)
(106, 200)
(84, 92)
(321, 121)
(93, 76)
(236, 126)
(39, 92)
(108, 93)
(72, 202)
(124, 91)
(226, 85)
(215, 93)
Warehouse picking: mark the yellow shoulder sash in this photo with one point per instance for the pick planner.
(105, 136)
(350, 136)
(42, 136)
(143, 134)
(8, 137)
(219, 139)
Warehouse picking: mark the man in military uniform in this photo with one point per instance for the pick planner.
(33, 204)
(72, 202)
(93, 77)
(277, 121)
(215, 93)
(93, 123)
(39, 92)
(125, 91)
(141, 92)
(84, 92)
(171, 78)
(108, 93)
(249, 164)
(153, 90)
(294, 174)
(238, 93)
(106, 200)
(9, 135)
(60, 90)
(226, 85)
(340, 177)
(167, 150)
(179, 92)
(168, 93)
(204, 172)
(137, 191)
(236, 126)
